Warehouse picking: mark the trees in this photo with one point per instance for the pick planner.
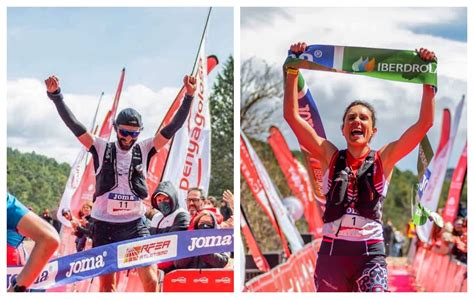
(260, 84)
(222, 126)
(37, 181)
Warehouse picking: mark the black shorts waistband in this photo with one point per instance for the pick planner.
(138, 220)
(331, 246)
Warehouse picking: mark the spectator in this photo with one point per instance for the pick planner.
(195, 204)
(442, 239)
(388, 236)
(225, 211)
(210, 202)
(83, 227)
(47, 217)
(204, 220)
(228, 199)
(166, 215)
(459, 239)
(398, 242)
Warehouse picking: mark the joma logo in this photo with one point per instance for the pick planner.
(86, 264)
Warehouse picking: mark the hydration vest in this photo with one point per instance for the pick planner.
(368, 202)
(107, 178)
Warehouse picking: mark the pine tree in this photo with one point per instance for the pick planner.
(222, 125)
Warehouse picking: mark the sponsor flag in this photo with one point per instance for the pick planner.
(388, 64)
(259, 259)
(445, 132)
(189, 162)
(297, 178)
(450, 210)
(425, 154)
(158, 161)
(267, 196)
(434, 184)
(308, 110)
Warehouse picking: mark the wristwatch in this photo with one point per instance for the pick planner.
(292, 71)
(16, 287)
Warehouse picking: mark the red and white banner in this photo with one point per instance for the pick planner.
(189, 159)
(199, 280)
(258, 257)
(298, 180)
(266, 195)
(457, 182)
(294, 275)
(438, 168)
(158, 161)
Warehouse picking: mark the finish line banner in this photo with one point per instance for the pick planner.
(395, 65)
(130, 254)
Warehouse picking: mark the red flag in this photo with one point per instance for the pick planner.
(258, 257)
(298, 180)
(248, 170)
(457, 182)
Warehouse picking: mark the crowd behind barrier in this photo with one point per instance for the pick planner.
(437, 272)
(128, 280)
(294, 275)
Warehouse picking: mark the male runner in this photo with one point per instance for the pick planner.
(120, 169)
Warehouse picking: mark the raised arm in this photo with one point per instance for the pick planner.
(165, 134)
(319, 147)
(396, 150)
(54, 93)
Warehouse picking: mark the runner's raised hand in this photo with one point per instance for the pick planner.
(426, 54)
(52, 84)
(298, 47)
(190, 85)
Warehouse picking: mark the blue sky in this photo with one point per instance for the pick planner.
(87, 48)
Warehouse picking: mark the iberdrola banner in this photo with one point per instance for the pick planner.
(387, 64)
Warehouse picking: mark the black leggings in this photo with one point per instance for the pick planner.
(351, 274)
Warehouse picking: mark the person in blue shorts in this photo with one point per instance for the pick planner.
(22, 223)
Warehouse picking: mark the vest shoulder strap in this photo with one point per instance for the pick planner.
(368, 162)
(340, 162)
(110, 152)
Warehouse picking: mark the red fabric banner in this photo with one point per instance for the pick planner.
(298, 180)
(249, 172)
(199, 280)
(294, 275)
(451, 208)
(258, 257)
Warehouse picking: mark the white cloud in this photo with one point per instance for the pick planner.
(34, 124)
(267, 34)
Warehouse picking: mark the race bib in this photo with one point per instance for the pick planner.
(123, 204)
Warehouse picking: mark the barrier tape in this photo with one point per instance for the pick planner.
(130, 254)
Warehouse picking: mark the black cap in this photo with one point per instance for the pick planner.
(129, 117)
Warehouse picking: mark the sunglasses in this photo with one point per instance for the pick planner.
(125, 133)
